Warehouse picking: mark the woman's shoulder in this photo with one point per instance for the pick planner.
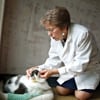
(78, 28)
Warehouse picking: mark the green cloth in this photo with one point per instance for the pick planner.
(12, 96)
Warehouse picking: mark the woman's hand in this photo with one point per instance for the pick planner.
(29, 71)
(46, 73)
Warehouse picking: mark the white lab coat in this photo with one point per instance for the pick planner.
(78, 58)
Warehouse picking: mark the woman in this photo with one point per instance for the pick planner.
(73, 55)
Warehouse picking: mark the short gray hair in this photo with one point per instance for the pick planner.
(59, 16)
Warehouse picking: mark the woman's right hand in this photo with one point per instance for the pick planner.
(29, 71)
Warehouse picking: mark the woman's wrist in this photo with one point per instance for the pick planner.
(55, 71)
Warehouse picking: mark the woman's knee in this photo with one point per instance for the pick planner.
(63, 91)
(82, 95)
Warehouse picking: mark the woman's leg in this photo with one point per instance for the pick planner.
(63, 91)
(82, 95)
(67, 87)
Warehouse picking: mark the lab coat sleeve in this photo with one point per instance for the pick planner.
(53, 61)
(82, 56)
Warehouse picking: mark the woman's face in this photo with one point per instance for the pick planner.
(54, 32)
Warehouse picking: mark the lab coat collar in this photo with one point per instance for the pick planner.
(69, 37)
(64, 48)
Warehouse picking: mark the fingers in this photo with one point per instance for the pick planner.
(28, 73)
(44, 74)
(30, 70)
(43, 71)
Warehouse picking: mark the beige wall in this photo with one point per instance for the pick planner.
(25, 43)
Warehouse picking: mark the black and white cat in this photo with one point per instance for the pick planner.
(20, 84)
